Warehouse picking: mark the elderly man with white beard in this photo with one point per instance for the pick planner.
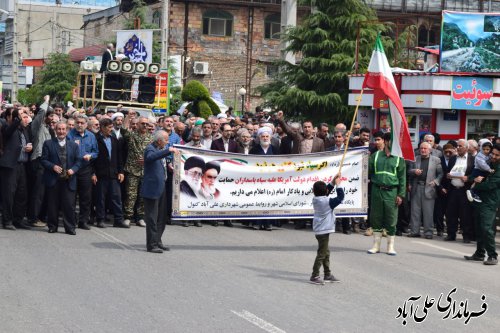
(208, 179)
(193, 168)
(264, 147)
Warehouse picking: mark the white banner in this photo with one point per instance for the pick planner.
(137, 45)
(214, 185)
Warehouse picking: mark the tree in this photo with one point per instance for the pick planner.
(325, 45)
(57, 78)
(201, 104)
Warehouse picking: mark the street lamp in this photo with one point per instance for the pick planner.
(242, 93)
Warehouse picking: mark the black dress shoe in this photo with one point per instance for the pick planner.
(268, 228)
(440, 234)
(466, 240)
(52, 231)
(346, 232)
(414, 235)
(163, 247)
(9, 227)
(121, 225)
(84, 226)
(100, 224)
(70, 232)
(428, 236)
(228, 224)
(491, 261)
(450, 238)
(185, 224)
(399, 233)
(215, 223)
(474, 258)
(22, 225)
(155, 250)
(198, 224)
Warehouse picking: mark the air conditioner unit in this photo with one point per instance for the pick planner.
(200, 67)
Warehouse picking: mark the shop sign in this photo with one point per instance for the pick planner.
(472, 93)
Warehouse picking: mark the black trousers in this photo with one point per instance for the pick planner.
(60, 197)
(14, 194)
(155, 218)
(37, 191)
(439, 211)
(458, 208)
(168, 191)
(108, 188)
(84, 191)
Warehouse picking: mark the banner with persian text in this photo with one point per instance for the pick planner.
(215, 185)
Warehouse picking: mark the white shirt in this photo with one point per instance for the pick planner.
(62, 142)
(459, 170)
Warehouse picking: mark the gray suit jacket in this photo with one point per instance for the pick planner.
(434, 175)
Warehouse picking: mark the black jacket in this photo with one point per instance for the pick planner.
(106, 167)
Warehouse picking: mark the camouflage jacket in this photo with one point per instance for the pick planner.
(136, 145)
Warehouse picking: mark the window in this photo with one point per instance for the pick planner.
(217, 23)
(272, 71)
(157, 18)
(272, 26)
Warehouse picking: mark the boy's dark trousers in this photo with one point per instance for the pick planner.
(323, 256)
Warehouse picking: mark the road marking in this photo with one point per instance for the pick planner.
(261, 323)
(113, 239)
(440, 247)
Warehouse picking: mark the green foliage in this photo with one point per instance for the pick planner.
(57, 78)
(194, 91)
(204, 110)
(325, 45)
(30, 95)
(202, 105)
(213, 106)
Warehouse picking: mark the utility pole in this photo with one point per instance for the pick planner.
(288, 18)
(15, 57)
(164, 34)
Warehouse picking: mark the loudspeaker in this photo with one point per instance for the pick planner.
(128, 67)
(147, 89)
(112, 87)
(141, 68)
(114, 66)
(154, 69)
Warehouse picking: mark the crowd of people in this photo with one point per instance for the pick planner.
(52, 156)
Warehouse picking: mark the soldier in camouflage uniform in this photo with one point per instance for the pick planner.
(134, 167)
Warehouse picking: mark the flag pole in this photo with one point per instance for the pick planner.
(346, 145)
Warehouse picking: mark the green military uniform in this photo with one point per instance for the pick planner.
(136, 144)
(489, 191)
(388, 180)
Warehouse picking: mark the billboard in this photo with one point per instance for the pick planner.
(472, 93)
(137, 45)
(470, 42)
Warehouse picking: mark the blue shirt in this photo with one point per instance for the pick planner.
(107, 142)
(173, 139)
(87, 144)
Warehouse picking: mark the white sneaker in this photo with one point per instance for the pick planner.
(141, 223)
(469, 195)
(127, 222)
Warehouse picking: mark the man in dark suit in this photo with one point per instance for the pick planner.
(107, 56)
(108, 175)
(61, 160)
(16, 149)
(458, 207)
(153, 191)
(442, 198)
(225, 143)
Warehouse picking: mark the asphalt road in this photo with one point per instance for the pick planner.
(235, 280)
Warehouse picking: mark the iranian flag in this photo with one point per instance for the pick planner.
(379, 78)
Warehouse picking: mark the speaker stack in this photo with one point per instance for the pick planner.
(120, 76)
